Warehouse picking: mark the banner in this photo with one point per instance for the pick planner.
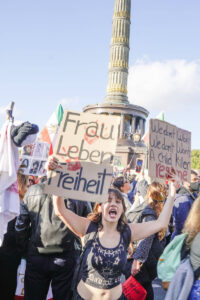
(34, 157)
(85, 148)
(169, 147)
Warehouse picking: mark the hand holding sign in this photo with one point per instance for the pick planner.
(52, 163)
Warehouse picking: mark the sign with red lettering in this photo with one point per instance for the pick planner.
(85, 148)
(169, 148)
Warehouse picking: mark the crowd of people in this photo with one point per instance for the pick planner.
(86, 250)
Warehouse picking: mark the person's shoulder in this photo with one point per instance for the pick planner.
(148, 211)
(35, 190)
(182, 198)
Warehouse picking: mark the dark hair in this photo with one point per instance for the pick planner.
(36, 163)
(119, 182)
(24, 163)
(96, 217)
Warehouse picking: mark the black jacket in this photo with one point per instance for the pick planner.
(148, 251)
(39, 227)
(154, 248)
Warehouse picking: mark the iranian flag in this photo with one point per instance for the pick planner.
(160, 116)
(50, 130)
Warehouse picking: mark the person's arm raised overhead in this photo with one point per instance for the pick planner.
(76, 224)
(142, 230)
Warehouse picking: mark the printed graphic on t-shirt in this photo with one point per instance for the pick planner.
(108, 265)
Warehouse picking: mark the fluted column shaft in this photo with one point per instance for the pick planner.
(119, 53)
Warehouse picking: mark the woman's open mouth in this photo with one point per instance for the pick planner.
(112, 213)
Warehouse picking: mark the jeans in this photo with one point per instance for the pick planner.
(195, 291)
(42, 269)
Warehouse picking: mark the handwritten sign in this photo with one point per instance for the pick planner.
(88, 182)
(169, 147)
(85, 147)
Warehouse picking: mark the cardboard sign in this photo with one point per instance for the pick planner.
(34, 157)
(169, 147)
(87, 137)
(85, 147)
(84, 181)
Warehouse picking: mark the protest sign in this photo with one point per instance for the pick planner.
(34, 157)
(85, 148)
(169, 148)
(84, 181)
(87, 137)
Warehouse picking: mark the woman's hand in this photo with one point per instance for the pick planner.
(52, 164)
(136, 266)
(174, 182)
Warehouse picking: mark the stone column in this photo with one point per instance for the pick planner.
(141, 126)
(133, 124)
(122, 126)
(119, 53)
(144, 122)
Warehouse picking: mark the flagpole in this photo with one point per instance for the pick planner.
(9, 112)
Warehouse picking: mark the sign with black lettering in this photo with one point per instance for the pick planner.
(85, 148)
(83, 181)
(169, 148)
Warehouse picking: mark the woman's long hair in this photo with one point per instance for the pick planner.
(192, 223)
(22, 181)
(96, 217)
(157, 192)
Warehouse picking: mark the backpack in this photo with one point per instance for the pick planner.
(181, 284)
(171, 258)
(149, 266)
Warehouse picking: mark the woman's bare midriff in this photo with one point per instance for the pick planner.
(89, 292)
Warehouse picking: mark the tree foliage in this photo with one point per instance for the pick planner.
(195, 159)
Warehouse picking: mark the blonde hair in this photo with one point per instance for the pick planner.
(192, 223)
(157, 192)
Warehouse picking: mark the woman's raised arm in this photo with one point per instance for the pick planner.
(142, 230)
(76, 224)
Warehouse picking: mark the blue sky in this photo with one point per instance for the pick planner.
(58, 51)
